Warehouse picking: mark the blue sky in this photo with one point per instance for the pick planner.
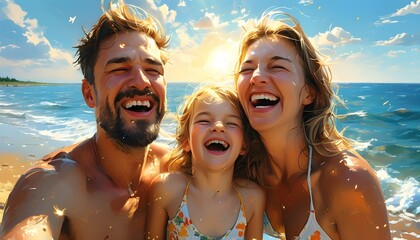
(365, 41)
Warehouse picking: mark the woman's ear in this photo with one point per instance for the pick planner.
(186, 145)
(88, 93)
(309, 95)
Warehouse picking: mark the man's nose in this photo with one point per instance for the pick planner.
(139, 79)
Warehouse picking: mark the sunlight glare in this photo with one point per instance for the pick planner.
(221, 60)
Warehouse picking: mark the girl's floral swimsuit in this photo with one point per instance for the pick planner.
(181, 226)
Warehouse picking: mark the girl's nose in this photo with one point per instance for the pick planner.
(218, 127)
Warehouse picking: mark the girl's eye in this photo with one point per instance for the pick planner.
(233, 124)
(202, 122)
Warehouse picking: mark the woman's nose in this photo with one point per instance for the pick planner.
(258, 77)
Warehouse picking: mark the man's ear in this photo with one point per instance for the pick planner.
(310, 95)
(88, 93)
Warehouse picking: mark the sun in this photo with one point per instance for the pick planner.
(221, 60)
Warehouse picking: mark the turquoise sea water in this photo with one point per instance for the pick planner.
(384, 118)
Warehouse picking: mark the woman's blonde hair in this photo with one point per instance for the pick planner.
(248, 165)
(318, 118)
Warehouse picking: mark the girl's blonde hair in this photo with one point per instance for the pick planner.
(246, 166)
(318, 118)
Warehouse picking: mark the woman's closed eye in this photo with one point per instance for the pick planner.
(246, 70)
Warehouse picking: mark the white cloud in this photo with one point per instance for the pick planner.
(15, 13)
(385, 21)
(209, 21)
(40, 70)
(306, 2)
(396, 53)
(351, 55)
(8, 46)
(58, 54)
(412, 8)
(401, 39)
(182, 3)
(336, 36)
(185, 40)
(33, 34)
(163, 13)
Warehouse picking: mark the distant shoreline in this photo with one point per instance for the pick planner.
(26, 84)
(13, 82)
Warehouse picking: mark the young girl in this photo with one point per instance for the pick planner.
(212, 195)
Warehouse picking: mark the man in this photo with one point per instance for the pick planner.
(99, 189)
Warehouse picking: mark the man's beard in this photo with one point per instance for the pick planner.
(139, 133)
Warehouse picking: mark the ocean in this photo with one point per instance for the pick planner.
(384, 118)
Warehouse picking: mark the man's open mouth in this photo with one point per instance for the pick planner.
(138, 105)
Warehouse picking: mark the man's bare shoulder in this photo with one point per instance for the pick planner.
(44, 191)
(47, 174)
(159, 149)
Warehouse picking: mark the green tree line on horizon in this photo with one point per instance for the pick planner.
(8, 79)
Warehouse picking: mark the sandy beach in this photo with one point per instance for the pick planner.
(11, 167)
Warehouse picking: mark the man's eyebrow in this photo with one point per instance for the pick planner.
(118, 60)
(153, 62)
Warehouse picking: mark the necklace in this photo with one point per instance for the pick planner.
(97, 155)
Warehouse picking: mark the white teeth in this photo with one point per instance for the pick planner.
(261, 96)
(261, 107)
(144, 103)
(225, 144)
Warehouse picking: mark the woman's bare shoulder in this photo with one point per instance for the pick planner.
(347, 175)
(343, 166)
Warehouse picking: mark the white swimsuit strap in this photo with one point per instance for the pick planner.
(309, 178)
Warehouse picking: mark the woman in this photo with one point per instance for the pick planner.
(317, 186)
